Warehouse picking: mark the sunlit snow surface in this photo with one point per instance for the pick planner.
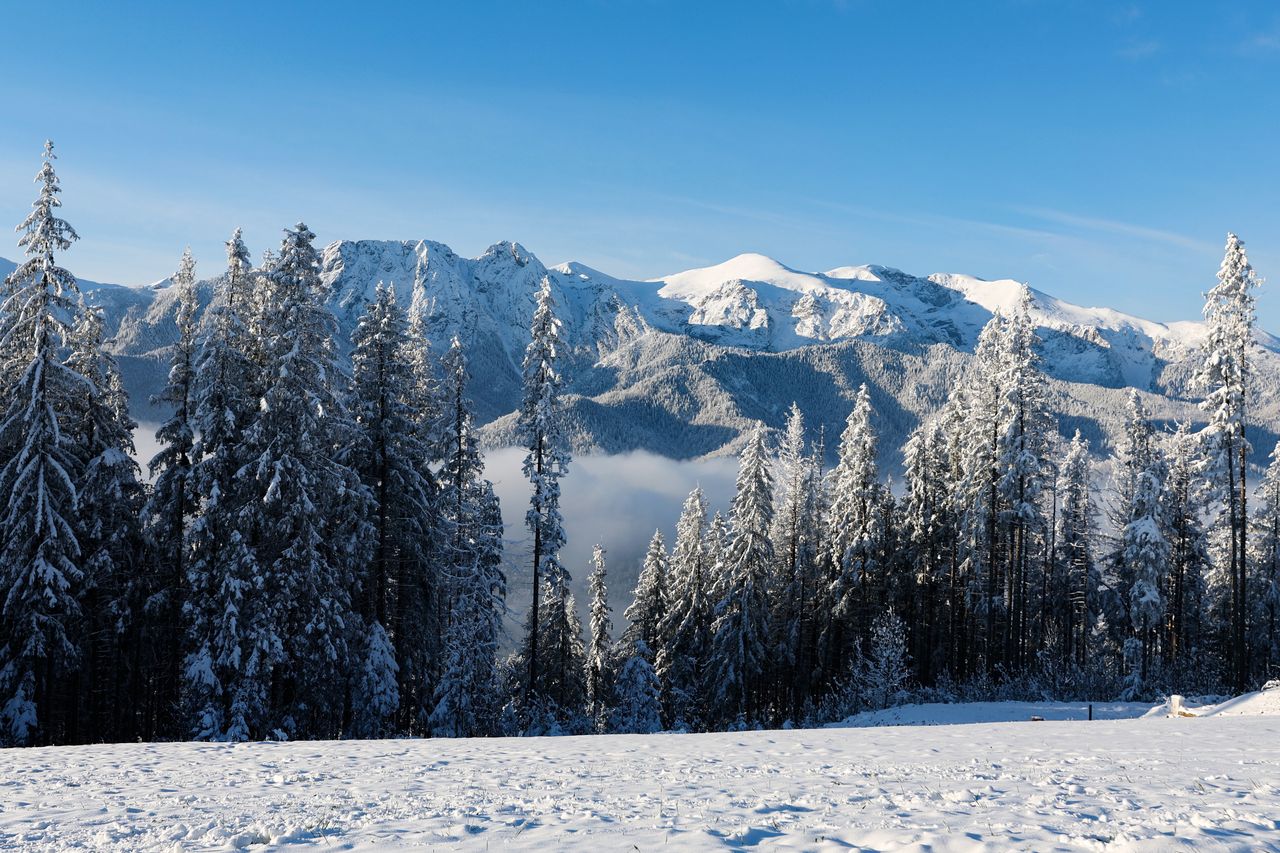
(1148, 784)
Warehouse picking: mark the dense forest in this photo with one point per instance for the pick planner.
(316, 552)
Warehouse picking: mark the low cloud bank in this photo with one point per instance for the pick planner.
(616, 501)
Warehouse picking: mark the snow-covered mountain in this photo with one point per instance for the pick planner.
(755, 302)
(682, 364)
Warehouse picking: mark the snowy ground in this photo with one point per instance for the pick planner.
(1147, 784)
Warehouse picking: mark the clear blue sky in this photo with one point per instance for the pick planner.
(1099, 151)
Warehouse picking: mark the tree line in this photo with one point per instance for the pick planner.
(318, 552)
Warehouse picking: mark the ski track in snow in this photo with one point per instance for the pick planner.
(1147, 784)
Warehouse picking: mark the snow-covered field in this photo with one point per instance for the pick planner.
(1151, 783)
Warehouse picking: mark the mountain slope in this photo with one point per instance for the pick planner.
(683, 364)
(755, 302)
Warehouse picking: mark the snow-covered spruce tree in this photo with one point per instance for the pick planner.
(170, 506)
(559, 704)
(1134, 457)
(853, 529)
(1074, 584)
(308, 518)
(555, 672)
(466, 695)
(649, 600)
(566, 655)
(1146, 553)
(977, 497)
(1021, 460)
(795, 580)
(898, 581)
(389, 459)
(258, 319)
(884, 669)
(219, 612)
(928, 539)
(470, 526)
(1227, 377)
(961, 589)
(739, 658)
(686, 629)
(1186, 496)
(375, 687)
(427, 609)
(638, 697)
(1266, 557)
(39, 465)
(1136, 453)
(124, 692)
(599, 676)
(429, 399)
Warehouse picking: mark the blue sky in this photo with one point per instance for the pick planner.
(1099, 151)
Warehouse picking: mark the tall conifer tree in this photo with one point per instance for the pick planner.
(39, 467)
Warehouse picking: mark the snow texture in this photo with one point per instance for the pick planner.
(1130, 784)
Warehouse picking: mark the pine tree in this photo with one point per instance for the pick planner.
(39, 467)
(978, 406)
(1227, 375)
(376, 692)
(1146, 552)
(424, 611)
(218, 612)
(686, 629)
(1136, 453)
(1266, 555)
(466, 697)
(470, 526)
(794, 541)
(540, 426)
(962, 587)
(170, 508)
(853, 525)
(170, 505)
(120, 699)
(638, 705)
(1135, 456)
(561, 688)
(741, 632)
(1021, 462)
(389, 458)
(649, 601)
(928, 532)
(599, 675)
(1075, 587)
(1185, 497)
(884, 669)
(429, 398)
(308, 521)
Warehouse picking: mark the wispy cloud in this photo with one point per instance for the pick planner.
(940, 221)
(1109, 226)
(1140, 49)
(1261, 43)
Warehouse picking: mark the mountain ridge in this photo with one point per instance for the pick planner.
(682, 364)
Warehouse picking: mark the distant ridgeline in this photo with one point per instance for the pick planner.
(683, 367)
(318, 554)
